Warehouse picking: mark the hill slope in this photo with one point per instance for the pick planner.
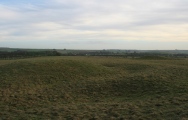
(93, 88)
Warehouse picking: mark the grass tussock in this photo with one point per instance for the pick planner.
(93, 88)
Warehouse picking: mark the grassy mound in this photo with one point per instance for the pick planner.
(93, 88)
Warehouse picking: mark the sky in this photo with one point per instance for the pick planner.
(94, 24)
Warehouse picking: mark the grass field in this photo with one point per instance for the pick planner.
(93, 88)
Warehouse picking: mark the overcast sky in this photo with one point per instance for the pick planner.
(94, 24)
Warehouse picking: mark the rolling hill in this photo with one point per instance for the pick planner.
(93, 88)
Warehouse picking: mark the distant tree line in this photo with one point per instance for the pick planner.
(24, 54)
(124, 54)
(128, 54)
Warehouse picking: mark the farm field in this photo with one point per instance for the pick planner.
(73, 87)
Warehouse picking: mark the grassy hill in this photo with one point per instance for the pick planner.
(93, 88)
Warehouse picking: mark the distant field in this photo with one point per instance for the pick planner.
(94, 88)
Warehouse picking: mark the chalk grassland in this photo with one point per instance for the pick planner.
(93, 88)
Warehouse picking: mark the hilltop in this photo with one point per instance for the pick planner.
(72, 87)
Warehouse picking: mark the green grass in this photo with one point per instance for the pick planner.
(93, 88)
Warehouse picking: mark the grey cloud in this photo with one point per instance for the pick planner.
(94, 15)
(160, 12)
